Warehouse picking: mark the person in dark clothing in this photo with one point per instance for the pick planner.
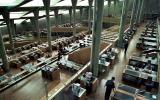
(125, 46)
(109, 87)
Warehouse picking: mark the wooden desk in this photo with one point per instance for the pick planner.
(29, 67)
(140, 74)
(104, 66)
(125, 92)
(65, 63)
(51, 73)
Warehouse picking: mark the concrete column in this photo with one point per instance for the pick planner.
(133, 14)
(81, 12)
(138, 11)
(3, 55)
(122, 23)
(32, 23)
(109, 6)
(70, 14)
(6, 16)
(90, 2)
(13, 28)
(60, 18)
(141, 11)
(36, 24)
(86, 13)
(74, 3)
(56, 16)
(115, 3)
(47, 7)
(96, 35)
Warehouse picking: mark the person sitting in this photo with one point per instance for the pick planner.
(149, 84)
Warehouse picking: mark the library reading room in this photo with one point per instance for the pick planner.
(79, 49)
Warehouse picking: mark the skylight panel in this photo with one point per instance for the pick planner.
(10, 2)
(28, 20)
(106, 3)
(29, 15)
(34, 3)
(83, 3)
(64, 3)
(63, 12)
(41, 13)
(14, 15)
(1, 17)
(18, 21)
(3, 26)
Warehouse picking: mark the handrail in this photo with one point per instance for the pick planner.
(158, 41)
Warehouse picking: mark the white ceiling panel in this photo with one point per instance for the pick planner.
(10, 2)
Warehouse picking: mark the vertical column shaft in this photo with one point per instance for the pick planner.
(133, 14)
(3, 55)
(56, 16)
(90, 2)
(74, 3)
(122, 23)
(141, 11)
(13, 28)
(70, 14)
(6, 16)
(60, 18)
(32, 23)
(47, 6)
(138, 11)
(81, 12)
(36, 24)
(109, 6)
(97, 29)
(115, 3)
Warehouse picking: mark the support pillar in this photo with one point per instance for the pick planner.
(109, 6)
(47, 8)
(70, 15)
(122, 23)
(90, 2)
(115, 3)
(56, 16)
(6, 16)
(5, 66)
(97, 29)
(13, 28)
(60, 18)
(36, 24)
(74, 3)
(138, 11)
(141, 11)
(133, 14)
(32, 23)
(81, 12)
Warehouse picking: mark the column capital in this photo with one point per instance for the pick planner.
(46, 3)
(90, 2)
(36, 12)
(74, 3)
(56, 12)
(6, 16)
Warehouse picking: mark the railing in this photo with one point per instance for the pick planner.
(158, 41)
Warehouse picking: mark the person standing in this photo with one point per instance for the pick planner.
(110, 85)
(125, 46)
